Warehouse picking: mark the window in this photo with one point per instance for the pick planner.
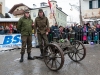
(42, 4)
(95, 4)
(58, 23)
(45, 12)
(34, 14)
(61, 16)
(58, 15)
(65, 18)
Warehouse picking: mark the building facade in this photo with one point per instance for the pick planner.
(90, 9)
(18, 10)
(59, 16)
(2, 7)
(56, 16)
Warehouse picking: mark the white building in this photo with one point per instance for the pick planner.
(90, 9)
(2, 7)
(61, 17)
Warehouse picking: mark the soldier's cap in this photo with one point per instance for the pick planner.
(56, 23)
(26, 10)
(40, 10)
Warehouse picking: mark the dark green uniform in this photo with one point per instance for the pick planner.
(25, 28)
(41, 26)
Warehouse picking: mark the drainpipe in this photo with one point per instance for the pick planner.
(81, 21)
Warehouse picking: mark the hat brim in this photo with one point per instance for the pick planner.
(27, 12)
(40, 11)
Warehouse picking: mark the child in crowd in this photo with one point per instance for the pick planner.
(95, 37)
(85, 29)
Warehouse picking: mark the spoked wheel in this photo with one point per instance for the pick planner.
(78, 51)
(53, 57)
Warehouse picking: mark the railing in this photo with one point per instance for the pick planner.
(85, 37)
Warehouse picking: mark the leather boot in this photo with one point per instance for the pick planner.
(21, 60)
(29, 57)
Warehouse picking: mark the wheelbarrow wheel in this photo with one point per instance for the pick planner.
(53, 57)
(78, 52)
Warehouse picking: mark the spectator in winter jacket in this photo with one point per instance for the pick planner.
(85, 29)
(79, 33)
(15, 29)
(85, 34)
(98, 28)
(7, 30)
(62, 32)
(88, 26)
(67, 31)
(75, 28)
(1, 30)
(11, 28)
(55, 30)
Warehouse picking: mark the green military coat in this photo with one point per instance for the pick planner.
(25, 26)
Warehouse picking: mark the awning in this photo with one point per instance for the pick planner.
(9, 19)
(88, 20)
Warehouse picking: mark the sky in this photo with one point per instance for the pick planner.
(73, 15)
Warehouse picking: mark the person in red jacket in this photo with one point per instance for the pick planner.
(11, 28)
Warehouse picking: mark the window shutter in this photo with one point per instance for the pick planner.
(98, 3)
(90, 4)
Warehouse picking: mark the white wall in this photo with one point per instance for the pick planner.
(62, 18)
(84, 5)
(34, 14)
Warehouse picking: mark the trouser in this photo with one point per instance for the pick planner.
(26, 40)
(43, 40)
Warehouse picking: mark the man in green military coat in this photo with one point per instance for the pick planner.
(41, 27)
(25, 28)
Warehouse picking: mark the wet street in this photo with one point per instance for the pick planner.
(10, 65)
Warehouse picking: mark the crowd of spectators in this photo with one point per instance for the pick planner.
(85, 33)
(11, 29)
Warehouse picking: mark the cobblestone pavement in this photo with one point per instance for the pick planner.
(10, 65)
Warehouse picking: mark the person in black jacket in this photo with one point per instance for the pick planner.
(55, 31)
(1, 30)
(15, 29)
(6, 30)
(75, 28)
(67, 31)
